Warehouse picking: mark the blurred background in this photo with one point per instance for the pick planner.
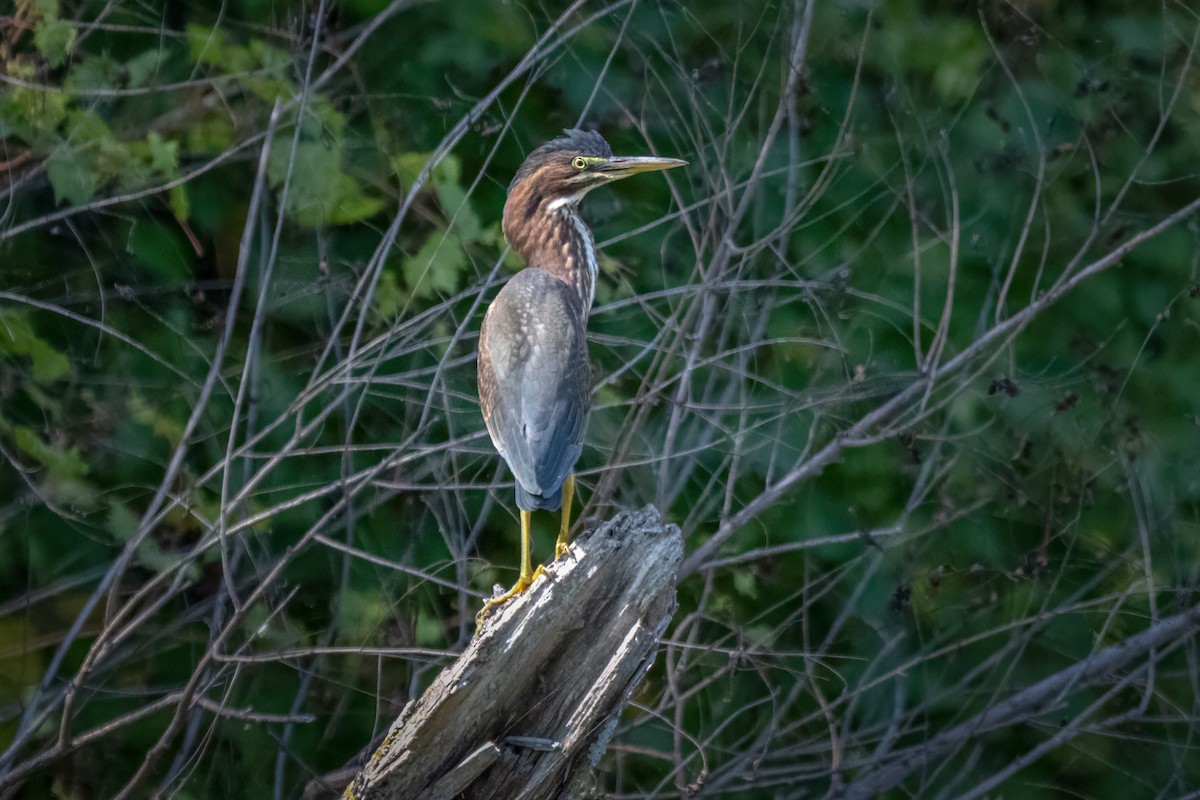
(908, 352)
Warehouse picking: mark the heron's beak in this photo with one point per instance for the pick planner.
(623, 166)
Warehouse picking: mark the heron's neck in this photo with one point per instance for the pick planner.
(550, 235)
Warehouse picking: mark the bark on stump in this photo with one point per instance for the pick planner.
(538, 692)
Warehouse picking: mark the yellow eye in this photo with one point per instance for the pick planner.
(579, 163)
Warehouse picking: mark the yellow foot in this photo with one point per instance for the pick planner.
(561, 549)
(521, 585)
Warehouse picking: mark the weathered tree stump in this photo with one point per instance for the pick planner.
(538, 692)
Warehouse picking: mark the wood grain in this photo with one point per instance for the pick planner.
(539, 690)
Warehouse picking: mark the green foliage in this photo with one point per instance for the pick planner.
(258, 67)
(319, 192)
(159, 249)
(336, 489)
(436, 266)
(59, 464)
(440, 264)
(18, 338)
(143, 413)
(32, 116)
(54, 39)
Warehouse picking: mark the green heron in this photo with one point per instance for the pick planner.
(534, 378)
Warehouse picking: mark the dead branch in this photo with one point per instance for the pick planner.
(1028, 703)
(539, 690)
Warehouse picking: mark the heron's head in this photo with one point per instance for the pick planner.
(558, 174)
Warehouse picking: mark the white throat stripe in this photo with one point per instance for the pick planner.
(559, 202)
(589, 253)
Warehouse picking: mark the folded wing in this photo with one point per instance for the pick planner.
(535, 382)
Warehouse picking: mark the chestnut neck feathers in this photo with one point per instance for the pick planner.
(541, 216)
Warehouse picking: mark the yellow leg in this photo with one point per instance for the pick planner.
(560, 547)
(528, 573)
(526, 552)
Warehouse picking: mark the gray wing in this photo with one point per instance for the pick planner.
(534, 379)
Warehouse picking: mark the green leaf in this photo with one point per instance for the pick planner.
(123, 525)
(264, 56)
(320, 193)
(437, 266)
(33, 116)
(211, 135)
(91, 73)
(459, 213)
(743, 582)
(95, 141)
(54, 39)
(121, 522)
(268, 89)
(94, 154)
(212, 47)
(448, 170)
(351, 204)
(145, 414)
(389, 297)
(154, 159)
(164, 155)
(325, 120)
(70, 176)
(66, 464)
(408, 166)
(159, 249)
(206, 45)
(960, 64)
(141, 68)
(18, 338)
(451, 196)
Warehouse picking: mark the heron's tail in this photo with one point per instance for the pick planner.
(527, 501)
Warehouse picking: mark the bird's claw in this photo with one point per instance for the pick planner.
(520, 586)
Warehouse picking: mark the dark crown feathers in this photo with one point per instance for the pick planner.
(573, 140)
